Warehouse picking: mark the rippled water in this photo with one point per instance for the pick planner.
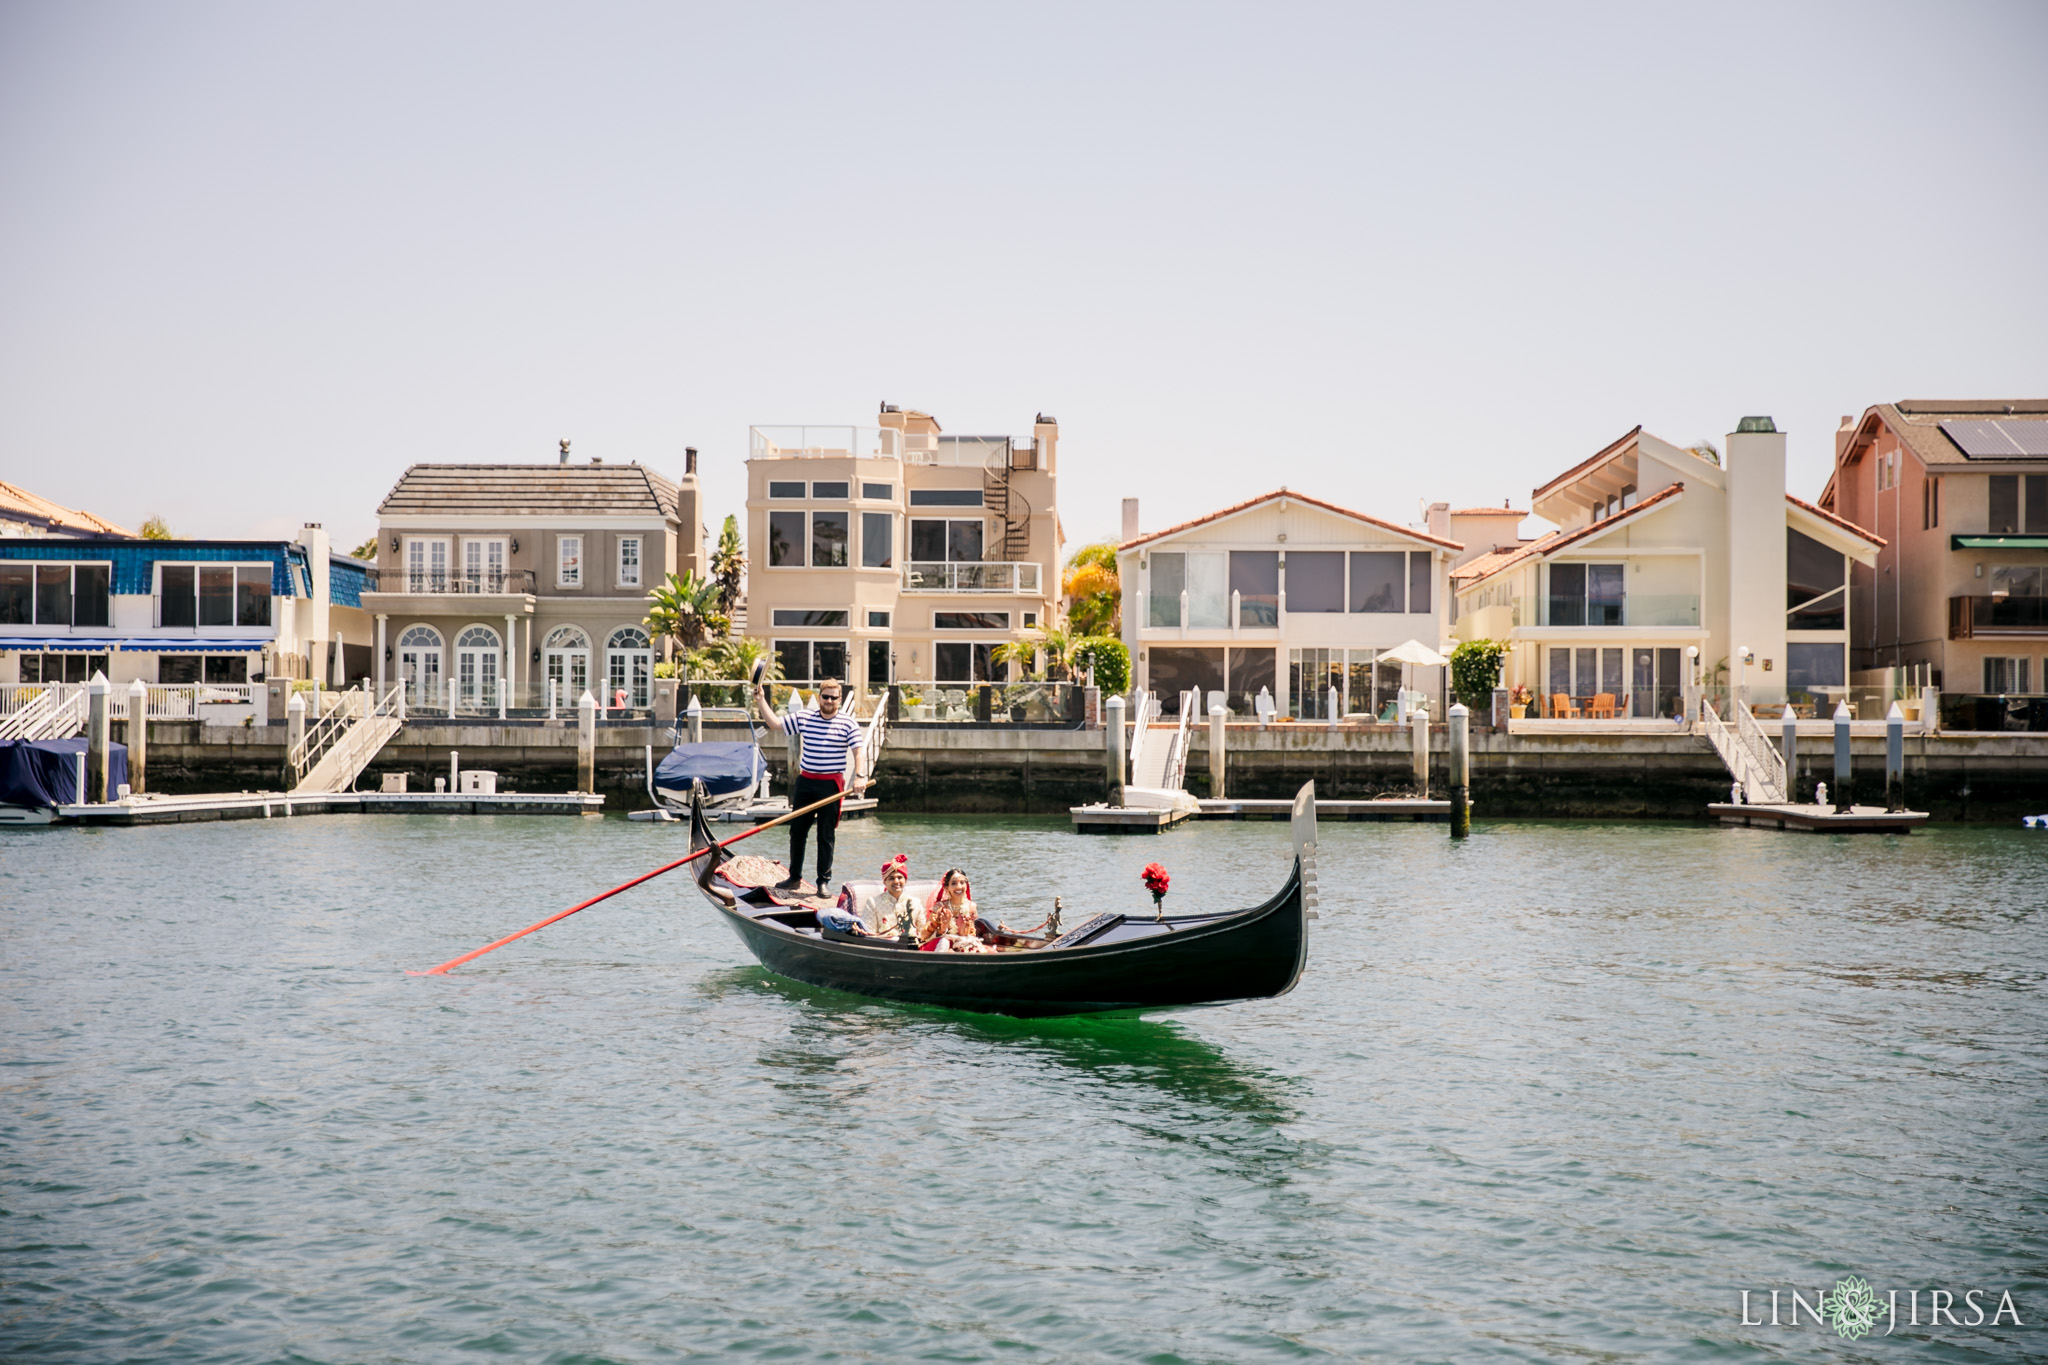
(1560, 1093)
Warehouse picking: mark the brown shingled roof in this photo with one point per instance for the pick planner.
(1284, 492)
(19, 503)
(530, 489)
(1918, 421)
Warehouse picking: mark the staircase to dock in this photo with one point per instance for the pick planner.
(337, 747)
(1748, 754)
(55, 712)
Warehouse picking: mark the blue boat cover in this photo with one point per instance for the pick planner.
(44, 772)
(723, 768)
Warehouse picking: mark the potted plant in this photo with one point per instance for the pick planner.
(1518, 702)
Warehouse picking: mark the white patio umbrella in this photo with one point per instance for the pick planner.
(1414, 653)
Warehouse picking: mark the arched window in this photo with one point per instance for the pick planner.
(628, 667)
(420, 637)
(419, 666)
(477, 668)
(566, 637)
(477, 637)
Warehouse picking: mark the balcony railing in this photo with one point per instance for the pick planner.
(959, 576)
(1636, 609)
(1971, 617)
(460, 582)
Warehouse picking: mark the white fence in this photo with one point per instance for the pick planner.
(180, 701)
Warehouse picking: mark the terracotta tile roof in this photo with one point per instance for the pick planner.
(1490, 512)
(19, 504)
(1588, 463)
(1285, 492)
(530, 489)
(1828, 516)
(1489, 564)
(1551, 544)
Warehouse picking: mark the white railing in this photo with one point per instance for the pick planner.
(971, 576)
(44, 711)
(342, 712)
(1750, 764)
(367, 729)
(1143, 745)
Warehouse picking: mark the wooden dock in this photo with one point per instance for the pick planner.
(1819, 819)
(852, 808)
(1390, 808)
(1126, 819)
(160, 810)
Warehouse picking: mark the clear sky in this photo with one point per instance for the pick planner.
(256, 259)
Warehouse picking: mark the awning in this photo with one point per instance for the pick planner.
(86, 644)
(1998, 542)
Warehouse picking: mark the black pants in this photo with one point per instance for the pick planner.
(826, 818)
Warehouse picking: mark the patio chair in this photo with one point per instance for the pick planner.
(1602, 707)
(1562, 707)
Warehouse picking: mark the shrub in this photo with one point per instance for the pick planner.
(1108, 657)
(1475, 671)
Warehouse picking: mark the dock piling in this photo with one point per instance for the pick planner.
(1113, 747)
(1895, 760)
(1845, 800)
(1336, 705)
(454, 771)
(586, 743)
(138, 736)
(693, 721)
(294, 733)
(1219, 759)
(1461, 770)
(96, 739)
(1418, 727)
(1788, 741)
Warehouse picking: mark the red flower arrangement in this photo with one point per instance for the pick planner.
(1156, 881)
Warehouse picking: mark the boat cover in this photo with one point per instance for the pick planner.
(44, 772)
(724, 768)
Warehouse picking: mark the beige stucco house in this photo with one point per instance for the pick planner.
(1669, 566)
(897, 552)
(1286, 593)
(497, 579)
(1959, 490)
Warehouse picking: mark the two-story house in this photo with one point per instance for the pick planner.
(221, 612)
(1959, 490)
(1282, 593)
(1668, 566)
(497, 580)
(898, 552)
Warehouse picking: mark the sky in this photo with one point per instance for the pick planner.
(257, 259)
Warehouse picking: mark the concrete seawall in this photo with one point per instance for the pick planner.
(996, 769)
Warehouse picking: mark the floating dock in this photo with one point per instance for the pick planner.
(1127, 819)
(1388, 808)
(156, 810)
(1819, 819)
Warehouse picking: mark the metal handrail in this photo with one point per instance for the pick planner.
(353, 706)
(1770, 764)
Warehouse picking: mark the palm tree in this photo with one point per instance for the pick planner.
(1093, 594)
(729, 565)
(733, 657)
(1056, 643)
(685, 609)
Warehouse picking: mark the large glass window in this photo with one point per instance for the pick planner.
(1251, 672)
(1311, 673)
(227, 668)
(786, 539)
(177, 670)
(2004, 676)
(883, 491)
(629, 562)
(945, 497)
(1816, 584)
(829, 492)
(1169, 580)
(1809, 666)
(569, 562)
(1377, 581)
(787, 616)
(780, 488)
(252, 597)
(216, 595)
(963, 661)
(970, 620)
(1255, 579)
(806, 661)
(1587, 595)
(1172, 671)
(179, 603)
(879, 672)
(1315, 580)
(877, 540)
(828, 540)
(933, 541)
(1208, 591)
(1420, 564)
(426, 565)
(17, 594)
(53, 594)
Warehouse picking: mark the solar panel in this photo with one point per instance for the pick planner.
(1999, 440)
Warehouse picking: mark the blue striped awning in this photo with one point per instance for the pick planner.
(83, 644)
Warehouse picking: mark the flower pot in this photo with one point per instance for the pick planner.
(1517, 712)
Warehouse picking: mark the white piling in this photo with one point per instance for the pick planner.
(1844, 799)
(693, 720)
(586, 743)
(138, 736)
(1461, 770)
(96, 708)
(1113, 740)
(1418, 729)
(1895, 759)
(1219, 725)
(1336, 704)
(1788, 741)
(454, 771)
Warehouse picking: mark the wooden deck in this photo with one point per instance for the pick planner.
(1395, 808)
(1124, 819)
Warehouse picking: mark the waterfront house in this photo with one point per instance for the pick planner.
(224, 612)
(502, 578)
(1959, 591)
(1670, 565)
(1283, 593)
(898, 551)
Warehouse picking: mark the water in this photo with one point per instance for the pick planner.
(1558, 1094)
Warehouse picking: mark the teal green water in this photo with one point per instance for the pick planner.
(1561, 1093)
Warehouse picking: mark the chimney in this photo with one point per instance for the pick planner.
(1130, 519)
(689, 459)
(565, 452)
(1844, 434)
(1440, 520)
(1045, 442)
(1755, 592)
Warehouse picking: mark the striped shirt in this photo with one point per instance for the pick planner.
(826, 743)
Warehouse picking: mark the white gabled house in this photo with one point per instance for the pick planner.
(1670, 567)
(1287, 593)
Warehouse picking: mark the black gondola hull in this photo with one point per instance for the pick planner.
(1190, 961)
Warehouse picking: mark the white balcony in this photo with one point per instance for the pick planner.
(972, 577)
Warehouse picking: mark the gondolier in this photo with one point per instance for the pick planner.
(825, 741)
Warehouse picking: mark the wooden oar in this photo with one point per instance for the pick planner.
(444, 968)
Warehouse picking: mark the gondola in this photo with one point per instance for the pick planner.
(1107, 963)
